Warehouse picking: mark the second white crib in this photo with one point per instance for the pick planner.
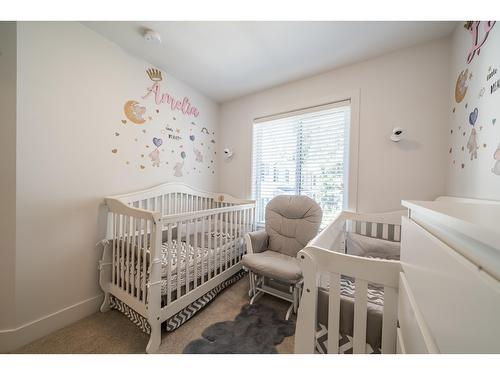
(325, 257)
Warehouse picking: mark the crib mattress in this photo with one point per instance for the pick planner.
(200, 261)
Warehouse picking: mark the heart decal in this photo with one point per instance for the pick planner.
(473, 116)
(157, 141)
(493, 121)
(191, 137)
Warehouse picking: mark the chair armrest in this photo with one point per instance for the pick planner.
(256, 241)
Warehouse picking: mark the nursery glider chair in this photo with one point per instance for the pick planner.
(291, 222)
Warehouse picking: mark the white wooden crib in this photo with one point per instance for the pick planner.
(168, 246)
(325, 258)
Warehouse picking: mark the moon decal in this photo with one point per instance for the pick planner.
(135, 112)
(461, 88)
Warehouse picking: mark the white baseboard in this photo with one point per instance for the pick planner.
(12, 339)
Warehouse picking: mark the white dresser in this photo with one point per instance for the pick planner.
(449, 294)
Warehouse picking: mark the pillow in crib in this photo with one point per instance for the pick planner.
(369, 247)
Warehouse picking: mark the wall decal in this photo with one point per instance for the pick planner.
(134, 112)
(472, 144)
(481, 93)
(473, 116)
(163, 136)
(183, 105)
(491, 73)
(479, 36)
(199, 155)
(157, 141)
(155, 157)
(496, 157)
(493, 121)
(179, 165)
(174, 137)
(155, 154)
(494, 87)
(461, 86)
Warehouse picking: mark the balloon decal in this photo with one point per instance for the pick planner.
(473, 116)
(157, 141)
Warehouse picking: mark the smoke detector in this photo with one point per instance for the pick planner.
(152, 37)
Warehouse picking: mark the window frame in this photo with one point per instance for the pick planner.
(351, 168)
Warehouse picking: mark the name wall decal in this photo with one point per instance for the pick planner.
(183, 105)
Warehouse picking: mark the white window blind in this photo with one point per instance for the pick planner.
(302, 153)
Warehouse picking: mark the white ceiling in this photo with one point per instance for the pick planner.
(225, 60)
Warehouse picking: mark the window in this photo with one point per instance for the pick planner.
(306, 152)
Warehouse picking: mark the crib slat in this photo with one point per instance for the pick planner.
(178, 257)
(169, 264)
(145, 245)
(209, 256)
(374, 230)
(203, 250)
(389, 321)
(219, 241)
(360, 306)
(122, 252)
(397, 233)
(139, 259)
(225, 240)
(127, 251)
(363, 228)
(232, 229)
(188, 253)
(385, 231)
(113, 276)
(132, 256)
(195, 253)
(334, 314)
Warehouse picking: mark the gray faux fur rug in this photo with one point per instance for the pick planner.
(256, 330)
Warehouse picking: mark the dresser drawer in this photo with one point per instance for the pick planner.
(413, 334)
(458, 303)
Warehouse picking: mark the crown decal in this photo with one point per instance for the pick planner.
(154, 74)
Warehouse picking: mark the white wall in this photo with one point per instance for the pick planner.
(7, 171)
(474, 178)
(72, 86)
(407, 88)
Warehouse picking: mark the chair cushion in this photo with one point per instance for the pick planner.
(291, 222)
(274, 265)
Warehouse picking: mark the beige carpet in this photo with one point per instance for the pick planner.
(112, 332)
